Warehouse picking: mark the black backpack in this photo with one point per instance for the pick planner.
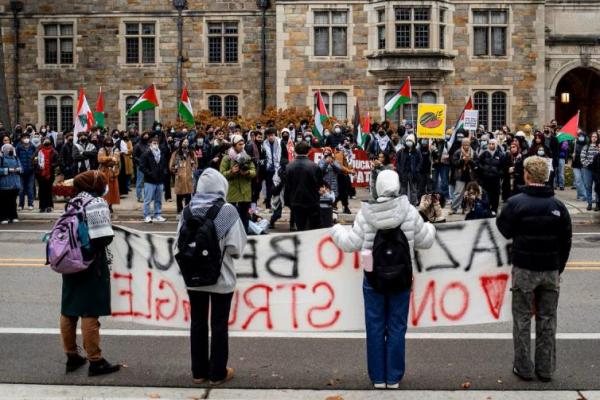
(392, 264)
(200, 256)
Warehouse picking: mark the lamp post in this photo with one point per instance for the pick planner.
(16, 7)
(263, 5)
(179, 5)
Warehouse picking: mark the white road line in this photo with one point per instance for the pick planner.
(298, 335)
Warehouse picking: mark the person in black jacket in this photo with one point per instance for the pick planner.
(409, 165)
(303, 182)
(540, 227)
(153, 165)
(490, 164)
(67, 164)
(138, 150)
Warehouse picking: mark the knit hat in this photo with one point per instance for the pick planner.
(91, 182)
(236, 139)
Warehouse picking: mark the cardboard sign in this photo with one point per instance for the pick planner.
(431, 121)
(471, 118)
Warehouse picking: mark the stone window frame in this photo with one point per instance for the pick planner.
(223, 94)
(330, 90)
(121, 36)
(490, 90)
(122, 106)
(310, 25)
(241, 39)
(43, 94)
(41, 56)
(419, 90)
(510, 26)
(434, 33)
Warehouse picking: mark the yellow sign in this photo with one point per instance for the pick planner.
(431, 121)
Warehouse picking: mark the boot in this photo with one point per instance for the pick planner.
(102, 367)
(347, 210)
(74, 362)
(597, 207)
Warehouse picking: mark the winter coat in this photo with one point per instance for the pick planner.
(342, 161)
(463, 171)
(587, 155)
(240, 186)
(303, 180)
(25, 156)
(540, 227)
(138, 150)
(388, 212)
(154, 172)
(182, 165)
(85, 157)
(10, 180)
(109, 161)
(577, 154)
(330, 174)
(67, 164)
(126, 156)
(273, 157)
(490, 165)
(409, 164)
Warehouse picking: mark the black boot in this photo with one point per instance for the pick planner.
(74, 362)
(102, 367)
(597, 207)
(347, 210)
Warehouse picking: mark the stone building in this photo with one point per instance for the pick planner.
(522, 61)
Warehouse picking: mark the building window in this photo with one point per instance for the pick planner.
(140, 42)
(58, 44)
(498, 116)
(489, 32)
(408, 112)
(331, 33)
(442, 28)
(413, 26)
(66, 113)
(381, 29)
(58, 112)
(337, 107)
(223, 42)
(144, 119)
(429, 98)
(51, 112)
(224, 106)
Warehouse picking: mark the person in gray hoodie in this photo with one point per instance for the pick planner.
(212, 187)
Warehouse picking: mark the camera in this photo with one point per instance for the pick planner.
(243, 162)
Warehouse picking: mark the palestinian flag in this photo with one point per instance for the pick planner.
(84, 119)
(320, 116)
(361, 135)
(99, 113)
(147, 101)
(402, 97)
(459, 124)
(185, 108)
(569, 130)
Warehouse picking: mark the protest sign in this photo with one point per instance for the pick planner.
(303, 282)
(361, 164)
(471, 118)
(431, 121)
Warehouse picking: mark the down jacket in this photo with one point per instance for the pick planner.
(388, 212)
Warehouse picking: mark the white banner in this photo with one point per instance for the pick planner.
(471, 118)
(303, 282)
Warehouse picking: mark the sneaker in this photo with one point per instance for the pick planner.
(521, 376)
(160, 218)
(393, 386)
(562, 188)
(49, 209)
(74, 362)
(5, 222)
(102, 367)
(379, 386)
(543, 378)
(21, 208)
(227, 378)
(140, 200)
(30, 208)
(347, 211)
(12, 221)
(169, 200)
(148, 220)
(589, 207)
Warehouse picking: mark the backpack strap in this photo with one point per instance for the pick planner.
(214, 210)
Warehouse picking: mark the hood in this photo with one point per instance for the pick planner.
(285, 130)
(211, 181)
(386, 214)
(387, 184)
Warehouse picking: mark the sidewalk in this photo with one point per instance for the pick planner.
(130, 209)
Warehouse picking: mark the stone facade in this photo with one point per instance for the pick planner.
(544, 41)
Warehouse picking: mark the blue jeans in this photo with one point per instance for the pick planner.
(560, 176)
(386, 321)
(578, 174)
(152, 193)
(588, 181)
(441, 175)
(139, 183)
(27, 184)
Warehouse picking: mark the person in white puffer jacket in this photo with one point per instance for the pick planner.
(386, 315)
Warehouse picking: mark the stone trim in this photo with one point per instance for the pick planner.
(123, 94)
(121, 58)
(41, 56)
(282, 65)
(223, 93)
(241, 39)
(330, 89)
(42, 94)
(489, 89)
(509, 31)
(310, 24)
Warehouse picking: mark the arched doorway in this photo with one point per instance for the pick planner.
(583, 88)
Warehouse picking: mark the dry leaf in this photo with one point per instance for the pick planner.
(466, 385)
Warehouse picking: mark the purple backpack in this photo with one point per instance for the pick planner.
(63, 249)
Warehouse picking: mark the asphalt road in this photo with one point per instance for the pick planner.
(30, 299)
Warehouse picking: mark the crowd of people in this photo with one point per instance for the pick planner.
(470, 172)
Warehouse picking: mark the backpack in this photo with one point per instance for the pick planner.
(69, 239)
(392, 264)
(200, 256)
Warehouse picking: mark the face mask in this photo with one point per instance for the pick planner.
(327, 133)
(158, 127)
(70, 140)
(285, 138)
(448, 137)
(125, 138)
(581, 139)
(154, 146)
(459, 137)
(29, 130)
(338, 130)
(299, 139)
(26, 141)
(116, 137)
(145, 138)
(83, 140)
(11, 153)
(540, 153)
(484, 143)
(200, 142)
(423, 142)
(409, 144)
(382, 134)
(172, 131)
(47, 144)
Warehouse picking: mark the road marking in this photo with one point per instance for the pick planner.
(297, 335)
(22, 259)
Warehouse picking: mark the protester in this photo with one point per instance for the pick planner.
(326, 200)
(182, 165)
(513, 171)
(595, 167)
(540, 227)
(25, 153)
(464, 172)
(577, 167)
(67, 164)
(476, 204)
(303, 182)
(425, 183)
(273, 151)
(46, 161)
(432, 206)
(563, 155)
(381, 163)
(125, 146)
(489, 165)
(138, 150)
(588, 153)
(215, 299)
(386, 314)
(153, 165)
(85, 155)
(109, 161)
(86, 294)
(409, 166)
(10, 184)
(330, 169)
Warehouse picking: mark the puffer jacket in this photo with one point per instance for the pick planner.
(390, 211)
(490, 165)
(10, 180)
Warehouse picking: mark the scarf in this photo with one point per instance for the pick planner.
(382, 141)
(97, 216)
(45, 162)
(234, 156)
(156, 154)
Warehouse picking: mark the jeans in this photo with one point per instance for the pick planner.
(560, 176)
(154, 193)
(386, 321)
(588, 181)
(578, 174)
(410, 188)
(539, 289)
(213, 366)
(139, 183)
(459, 193)
(90, 329)
(27, 184)
(243, 209)
(441, 174)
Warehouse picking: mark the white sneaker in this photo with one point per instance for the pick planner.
(148, 220)
(14, 220)
(30, 208)
(159, 219)
(394, 386)
(5, 222)
(379, 386)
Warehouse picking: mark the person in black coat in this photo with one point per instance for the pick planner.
(409, 166)
(540, 227)
(303, 182)
(67, 164)
(153, 165)
(490, 164)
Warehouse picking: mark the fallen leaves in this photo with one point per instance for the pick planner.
(466, 385)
